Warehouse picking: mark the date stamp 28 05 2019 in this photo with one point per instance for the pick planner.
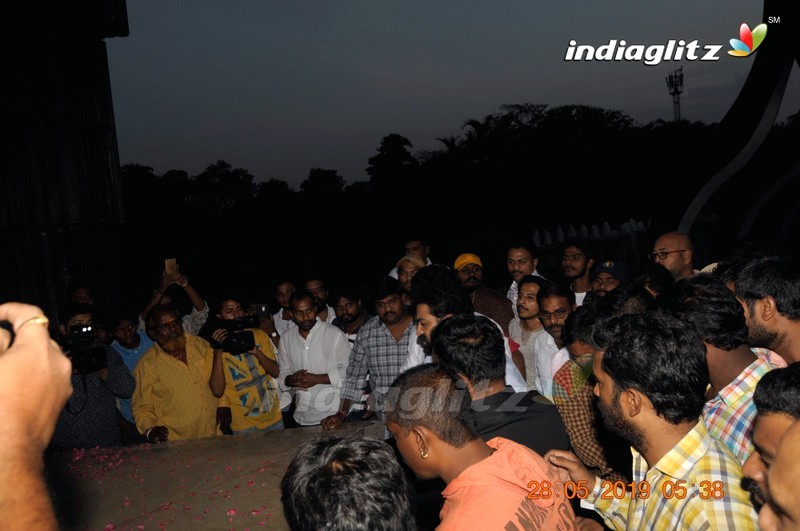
(680, 489)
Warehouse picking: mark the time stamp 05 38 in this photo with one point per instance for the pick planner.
(680, 489)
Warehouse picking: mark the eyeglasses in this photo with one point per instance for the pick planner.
(662, 255)
(557, 314)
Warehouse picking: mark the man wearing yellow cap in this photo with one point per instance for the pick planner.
(485, 300)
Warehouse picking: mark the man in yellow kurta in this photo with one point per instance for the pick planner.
(173, 399)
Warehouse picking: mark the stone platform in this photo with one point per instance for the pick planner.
(226, 482)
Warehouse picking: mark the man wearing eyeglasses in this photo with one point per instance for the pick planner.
(674, 251)
(556, 302)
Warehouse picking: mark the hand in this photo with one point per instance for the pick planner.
(166, 281)
(267, 324)
(569, 467)
(224, 419)
(298, 379)
(218, 337)
(181, 280)
(333, 421)
(29, 407)
(158, 434)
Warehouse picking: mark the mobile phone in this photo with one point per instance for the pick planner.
(171, 266)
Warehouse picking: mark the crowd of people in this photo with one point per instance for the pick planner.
(601, 398)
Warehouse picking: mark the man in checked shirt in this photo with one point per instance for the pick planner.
(651, 382)
(380, 348)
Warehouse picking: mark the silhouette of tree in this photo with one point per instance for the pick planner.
(393, 165)
(322, 182)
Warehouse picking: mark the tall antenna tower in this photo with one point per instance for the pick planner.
(675, 84)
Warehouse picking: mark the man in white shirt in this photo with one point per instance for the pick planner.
(556, 302)
(313, 360)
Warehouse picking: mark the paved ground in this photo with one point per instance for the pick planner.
(227, 482)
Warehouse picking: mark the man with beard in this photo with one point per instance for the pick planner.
(437, 294)
(485, 300)
(556, 302)
(316, 287)
(173, 398)
(573, 396)
(526, 327)
(769, 289)
(651, 382)
(777, 399)
(313, 359)
(380, 349)
(521, 261)
(577, 260)
(734, 368)
(674, 251)
(608, 276)
(350, 317)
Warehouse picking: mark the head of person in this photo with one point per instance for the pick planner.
(521, 260)
(556, 302)
(347, 304)
(407, 267)
(124, 327)
(164, 326)
(704, 302)
(282, 293)
(577, 258)
(418, 248)
(469, 268)
(650, 368)
(81, 295)
(782, 510)
(77, 322)
(304, 310)
(436, 293)
(674, 251)
(777, 400)
(769, 290)
(229, 308)
(429, 413)
(527, 293)
(607, 276)
(471, 346)
(577, 336)
(655, 278)
(343, 483)
(389, 304)
(316, 287)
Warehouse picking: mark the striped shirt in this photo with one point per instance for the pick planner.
(378, 353)
(697, 461)
(731, 415)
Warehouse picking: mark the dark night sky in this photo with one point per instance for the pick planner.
(278, 88)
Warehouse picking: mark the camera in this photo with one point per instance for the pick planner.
(239, 340)
(87, 356)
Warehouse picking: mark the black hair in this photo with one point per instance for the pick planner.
(533, 279)
(433, 396)
(387, 286)
(661, 357)
(579, 326)
(437, 286)
(470, 345)
(655, 277)
(350, 483)
(778, 391)
(522, 244)
(704, 302)
(555, 289)
(299, 295)
(774, 276)
(72, 309)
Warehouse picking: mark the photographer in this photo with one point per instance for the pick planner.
(244, 369)
(98, 377)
